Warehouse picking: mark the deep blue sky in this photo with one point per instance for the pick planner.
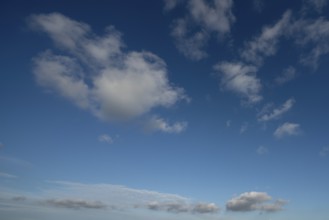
(176, 109)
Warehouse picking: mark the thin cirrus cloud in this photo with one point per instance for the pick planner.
(200, 208)
(287, 129)
(254, 201)
(105, 138)
(276, 113)
(75, 204)
(7, 175)
(97, 75)
(192, 32)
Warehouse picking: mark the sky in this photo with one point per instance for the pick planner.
(172, 109)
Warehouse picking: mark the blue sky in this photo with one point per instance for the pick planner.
(175, 109)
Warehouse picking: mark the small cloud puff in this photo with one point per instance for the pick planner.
(287, 129)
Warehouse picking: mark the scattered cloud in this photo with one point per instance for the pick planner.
(312, 34)
(244, 127)
(324, 152)
(159, 124)
(75, 204)
(261, 150)
(200, 208)
(266, 43)
(97, 75)
(276, 113)
(105, 138)
(203, 18)
(240, 79)
(228, 123)
(287, 129)
(254, 201)
(286, 76)
(7, 175)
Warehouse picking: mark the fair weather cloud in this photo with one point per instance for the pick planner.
(254, 201)
(192, 32)
(324, 152)
(156, 123)
(287, 129)
(262, 150)
(271, 114)
(97, 75)
(287, 75)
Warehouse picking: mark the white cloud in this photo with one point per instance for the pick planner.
(200, 208)
(261, 150)
(241, 79)
(287, 129)
(192, 32)
(159, 124)
(254, 201)
(171, 4)
(266, 43)
(286, 76)
(276, 113)
(97, 75)
(105, 138)
(324, 152)
(314, 34)
(7, 175)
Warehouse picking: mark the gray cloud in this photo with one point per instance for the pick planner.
(180, 207)
(97, 75)
(324, 152)
(254, 201)
(75, 204)
(261, 150)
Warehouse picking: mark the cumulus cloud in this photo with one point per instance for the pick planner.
(171, 4)
(203, 18)
(287, 129)
(254, 201)
(240, 79)
(105, 138)
(266, 43)
(286, 76)
(97, 75)
(276, 113)
(156, 123)
(75, 204)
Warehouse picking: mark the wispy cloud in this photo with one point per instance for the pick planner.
(7, 175)
(287, 75)
(203, 18)
(324, 152)
(287, 129)
(254, 201)
(121, 85)
(200, 208)
(156, 123)
(105, 138)
(261, 150)
(240, 79)
(266, 43)
(276, 113)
